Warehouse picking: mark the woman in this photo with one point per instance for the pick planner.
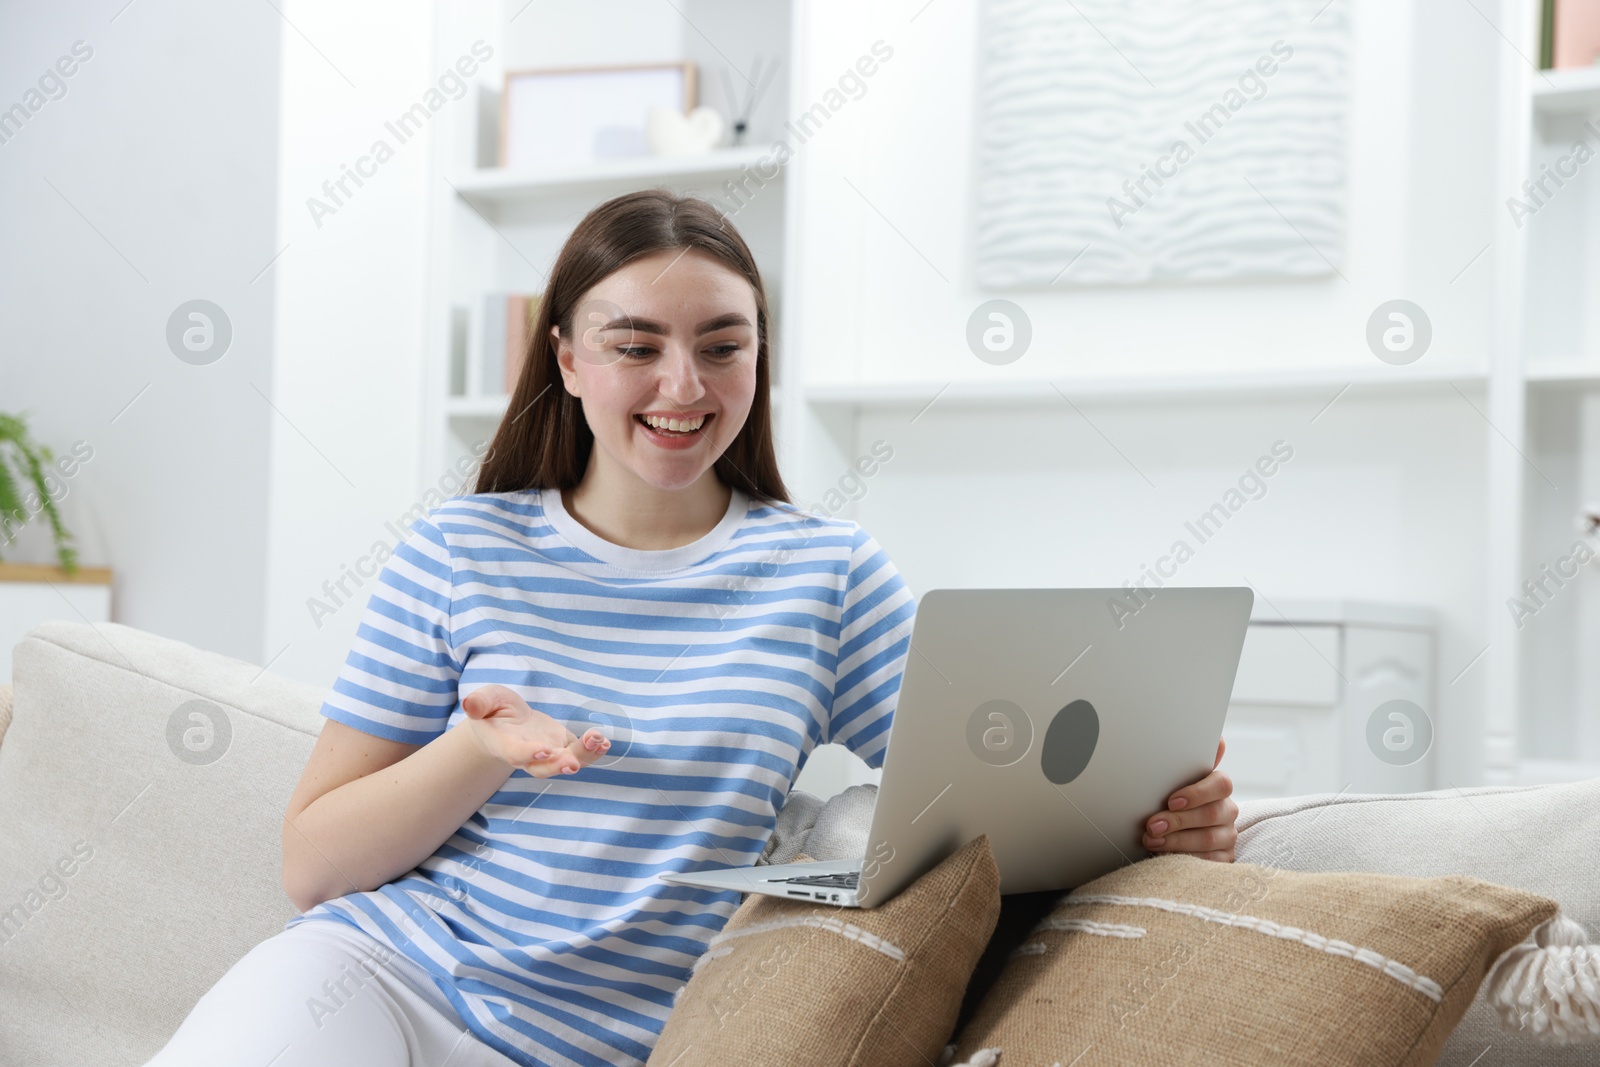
(478, 881)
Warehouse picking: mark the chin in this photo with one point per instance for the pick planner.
(671, 481)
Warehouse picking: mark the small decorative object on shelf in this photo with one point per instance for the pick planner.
(573, 116)
(672, 133)
(757, 83)
(1572, 30)
(22, 462)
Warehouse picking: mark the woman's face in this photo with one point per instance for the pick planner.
(669, 336)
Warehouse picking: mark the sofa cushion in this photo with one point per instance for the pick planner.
(142, 789)
(1179, 959)
(787, 982)
(5, 711)
(1539, 838)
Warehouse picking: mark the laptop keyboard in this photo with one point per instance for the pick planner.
(843, 880)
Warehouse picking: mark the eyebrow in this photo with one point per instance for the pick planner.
(721, 322)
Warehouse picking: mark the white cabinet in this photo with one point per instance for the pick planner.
(32, 594)
(1331, 696)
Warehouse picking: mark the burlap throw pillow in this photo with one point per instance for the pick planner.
(1181, 960)
(1523, 836)
(787, 982)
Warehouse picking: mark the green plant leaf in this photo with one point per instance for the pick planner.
(10, 501)
(11, 510)
(14, 433)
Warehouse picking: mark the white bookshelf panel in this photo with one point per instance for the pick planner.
(1563, 237)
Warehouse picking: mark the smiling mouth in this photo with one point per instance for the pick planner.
(668, 432)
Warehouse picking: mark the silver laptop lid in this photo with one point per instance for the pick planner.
(1054, 720)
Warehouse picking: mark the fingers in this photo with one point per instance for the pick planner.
(1213, 786)
(1217, 813)
(487, 699)
(596, 742)
(579, 752)
(1199, 840)
(483, 700)
(1199, 819)
(590, 747)
(1209, 827)
(1222, 746)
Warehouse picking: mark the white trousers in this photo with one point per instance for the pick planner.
(325, 994)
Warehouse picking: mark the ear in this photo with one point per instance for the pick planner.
(565, 361)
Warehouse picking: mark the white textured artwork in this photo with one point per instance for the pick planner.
(1140, 141)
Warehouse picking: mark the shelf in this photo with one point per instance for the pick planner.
(50, 572)
(1335, 612)
(476, 407)
(1172, 386)
(496, 185)
(1567, 91)
(1531, 771)
(1575, 370)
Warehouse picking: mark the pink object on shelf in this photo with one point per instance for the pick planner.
(1577, 33)
(520, 312)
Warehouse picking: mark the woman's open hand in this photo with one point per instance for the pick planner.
(1199, 818)
(509, 730)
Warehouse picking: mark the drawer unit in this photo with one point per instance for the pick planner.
(1331, 696)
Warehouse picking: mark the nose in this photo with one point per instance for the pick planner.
(680, 378)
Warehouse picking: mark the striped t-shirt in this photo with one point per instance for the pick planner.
(715, 668)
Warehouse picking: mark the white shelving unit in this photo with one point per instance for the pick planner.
(496, 186)
(499, 230)
(1544, 397)
(1572, 92)
(1222, 385)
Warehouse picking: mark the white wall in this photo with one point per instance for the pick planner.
(151, 182)
(1417, 212)
(346, 456)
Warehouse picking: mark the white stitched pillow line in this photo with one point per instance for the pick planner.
(822, 922)
(1393, 968)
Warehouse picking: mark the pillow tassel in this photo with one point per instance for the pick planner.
(983, 1057)
(1550, 988)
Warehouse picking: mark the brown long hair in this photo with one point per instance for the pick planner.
(544, 441)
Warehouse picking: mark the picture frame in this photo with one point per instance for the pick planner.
(570, 116)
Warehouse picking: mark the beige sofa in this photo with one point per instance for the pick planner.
(141, 845)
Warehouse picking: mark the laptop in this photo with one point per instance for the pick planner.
(1054, 720)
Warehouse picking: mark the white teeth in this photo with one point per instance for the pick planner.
(680, 425)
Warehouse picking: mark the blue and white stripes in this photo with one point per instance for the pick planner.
(715, 668)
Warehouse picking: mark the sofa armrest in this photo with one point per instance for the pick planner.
(169, 853)
(5, 711)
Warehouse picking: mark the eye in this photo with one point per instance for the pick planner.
(721, 353)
